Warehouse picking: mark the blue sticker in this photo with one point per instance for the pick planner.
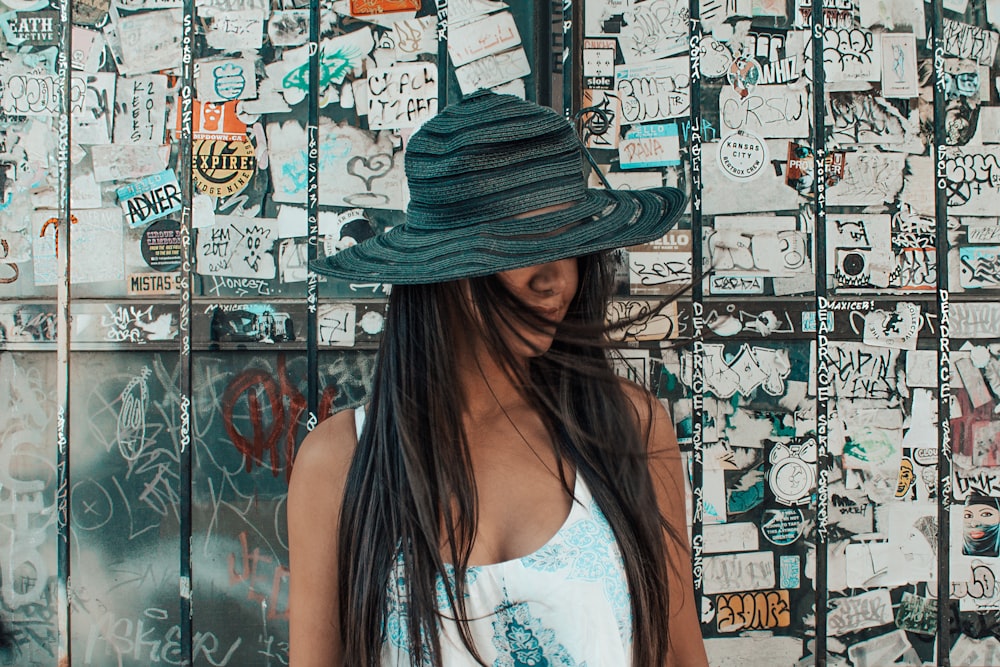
(151, 198)
(650, 146)
(809, 321)
(789, 571)
(979, 266)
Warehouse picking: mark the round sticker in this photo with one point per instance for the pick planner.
(744, 74)
(742, 155)
(790, 480)
(372, 322)
(161, 245)
(782, 526)
(223, 168)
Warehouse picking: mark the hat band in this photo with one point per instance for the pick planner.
(492, 207)
(559, 171)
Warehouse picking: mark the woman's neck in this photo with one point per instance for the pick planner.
(487, 387)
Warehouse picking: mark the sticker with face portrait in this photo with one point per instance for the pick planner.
(981, 526)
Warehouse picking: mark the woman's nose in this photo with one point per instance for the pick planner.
(553, 277)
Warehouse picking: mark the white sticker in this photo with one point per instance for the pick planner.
(226, 80)
(852, 54)
(654, 91)
(402, 96)
(92, 104)
(235, 31)
(770, 111)
(88, 49)
(896, 328)
(715, 58)
(748, 571)
(289, 27)
(485, 37)
(654, 30)
(742, 155)
(151, 41)
(493, 71)
(337, 323)
(899, 65)
(116, 162)
(857, 612)
(29, 93)
(413, 37)
(238, 247)
(140, 116)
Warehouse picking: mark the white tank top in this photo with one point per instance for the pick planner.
(565, 605)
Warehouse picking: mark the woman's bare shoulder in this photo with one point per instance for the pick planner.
(324, 457)
(315, 497)
(647, 406)
(635, 391)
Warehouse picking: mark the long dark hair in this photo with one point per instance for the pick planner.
(411, 487)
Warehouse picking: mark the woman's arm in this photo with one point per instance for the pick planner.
(687, 649)
(315, 494)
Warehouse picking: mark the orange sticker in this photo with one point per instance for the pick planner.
(211, 120)
(756, 610)
(366, 7)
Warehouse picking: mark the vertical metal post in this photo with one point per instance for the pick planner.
(63, 331)
(697, 307)
(823, 379)
(442, 54)
(312, 215)
(944, 349)
(184, 330)
(570, 19)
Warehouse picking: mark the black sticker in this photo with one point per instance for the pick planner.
(161, 245)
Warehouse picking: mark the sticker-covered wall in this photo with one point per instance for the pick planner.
(840, 389)
(832, 361)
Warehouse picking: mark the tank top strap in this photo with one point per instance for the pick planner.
(359, 420)
(583, 496)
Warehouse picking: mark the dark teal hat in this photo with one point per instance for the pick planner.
(474, 172)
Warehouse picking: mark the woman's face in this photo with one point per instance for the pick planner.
(548, 289)
(978, 518)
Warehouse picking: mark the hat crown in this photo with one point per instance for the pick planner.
(490, 157)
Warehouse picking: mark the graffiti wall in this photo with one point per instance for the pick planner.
(831, 358)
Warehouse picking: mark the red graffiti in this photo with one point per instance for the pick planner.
(326, 402)
(283, 404)
(6, 280)
(253, 571)
(54, 222)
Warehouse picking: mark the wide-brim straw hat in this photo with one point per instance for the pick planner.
(476, 173)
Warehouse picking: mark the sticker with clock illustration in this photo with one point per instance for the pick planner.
(792, 472)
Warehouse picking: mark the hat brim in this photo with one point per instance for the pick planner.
(602, 220)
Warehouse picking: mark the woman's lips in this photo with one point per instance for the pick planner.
(977, 534)
(553, 314)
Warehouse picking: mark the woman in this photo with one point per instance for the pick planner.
(503, 499)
